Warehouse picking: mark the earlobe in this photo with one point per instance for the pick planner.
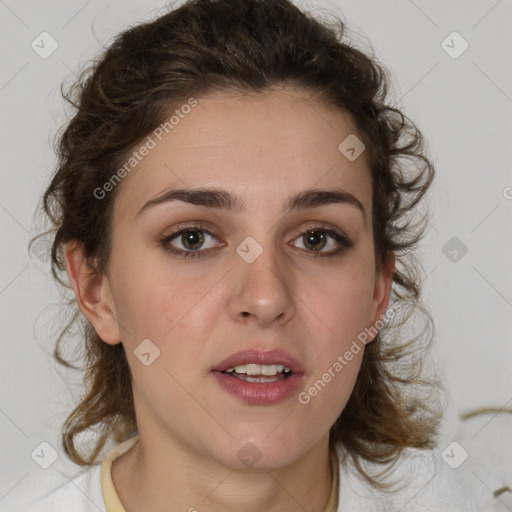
(92, 293)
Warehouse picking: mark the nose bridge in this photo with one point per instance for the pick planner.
(263, 287)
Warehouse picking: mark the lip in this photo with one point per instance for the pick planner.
(259, 393)
(259, 357)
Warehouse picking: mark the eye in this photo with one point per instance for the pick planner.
(195, 242)
(323, 242)
(190, 241)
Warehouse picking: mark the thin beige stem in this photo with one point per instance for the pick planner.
(483, 410)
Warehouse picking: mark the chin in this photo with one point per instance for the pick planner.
(261, 453)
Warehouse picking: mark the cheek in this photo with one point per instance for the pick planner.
(177, 316)
(326, 393)
(344, 304)
(152, 301)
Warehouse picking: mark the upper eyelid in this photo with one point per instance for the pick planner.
(309, 225)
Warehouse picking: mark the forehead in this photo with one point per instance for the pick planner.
(259, 146)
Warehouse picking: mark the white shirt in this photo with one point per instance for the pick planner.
(428, 484)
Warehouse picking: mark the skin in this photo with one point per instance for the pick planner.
(262, 147)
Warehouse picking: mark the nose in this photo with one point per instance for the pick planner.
(262, 288)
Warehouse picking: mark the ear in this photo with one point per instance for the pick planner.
(382, 290)
(92, 292)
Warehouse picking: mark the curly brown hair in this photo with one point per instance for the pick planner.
(247, 46)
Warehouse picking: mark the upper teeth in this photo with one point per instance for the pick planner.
(259, 369)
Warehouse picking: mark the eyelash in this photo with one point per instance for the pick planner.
(342, 239)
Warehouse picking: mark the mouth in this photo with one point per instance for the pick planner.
(259, 372)
(259, 378)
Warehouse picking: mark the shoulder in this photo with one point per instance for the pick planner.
(81, 493)
(421, 482)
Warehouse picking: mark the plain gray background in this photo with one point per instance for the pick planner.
(463, 105)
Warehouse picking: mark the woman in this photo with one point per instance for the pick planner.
(236, 208)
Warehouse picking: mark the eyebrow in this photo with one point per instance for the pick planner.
(213, 197)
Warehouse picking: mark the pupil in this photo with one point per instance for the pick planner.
(192, 239)
(313, 238)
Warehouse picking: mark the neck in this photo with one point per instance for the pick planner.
(149, 478)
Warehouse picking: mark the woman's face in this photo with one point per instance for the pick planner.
(247, 276)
